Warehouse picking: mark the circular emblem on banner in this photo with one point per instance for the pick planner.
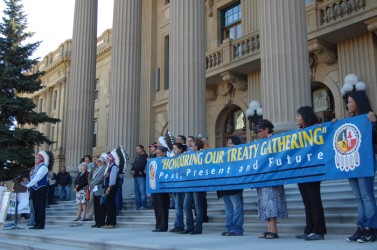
(152, 175)
(346, 143)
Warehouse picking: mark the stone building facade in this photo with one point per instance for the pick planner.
(194, 66)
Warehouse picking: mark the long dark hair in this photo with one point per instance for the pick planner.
(235, 139)
(308, 115)
(362, 102)
(180, 146)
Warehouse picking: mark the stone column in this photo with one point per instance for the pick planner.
(187, 103)
(47, 126)
(284, 61)
(62, 114)
(124, 112)
(81, 83)
(250, 16)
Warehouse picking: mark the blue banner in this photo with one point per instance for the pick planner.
(328, 151)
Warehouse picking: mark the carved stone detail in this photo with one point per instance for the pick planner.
(372, 25)
(211, 93)
(238, 81)
(323, 52)
(209, 5)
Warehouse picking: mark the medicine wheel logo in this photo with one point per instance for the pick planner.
(346, 143)
(152, 175)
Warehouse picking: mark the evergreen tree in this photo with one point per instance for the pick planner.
(17, 114)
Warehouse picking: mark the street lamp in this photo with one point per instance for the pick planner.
(351, 83)
(254, 114)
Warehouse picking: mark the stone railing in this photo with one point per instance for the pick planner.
(232, 50)
(215, 58)
(332, 10)
(246, 45)
(104, 40)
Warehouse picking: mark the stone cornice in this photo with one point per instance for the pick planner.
(56, 64)
(104, 51)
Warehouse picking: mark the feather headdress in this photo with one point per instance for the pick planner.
(168, 140)
(48, 158)
(121, 158)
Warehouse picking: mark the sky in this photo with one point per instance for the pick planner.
(52, 21)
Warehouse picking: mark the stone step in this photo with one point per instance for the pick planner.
(219, 205)
(338, 201)
(252, 227)
(218, 218)
(132, 238)
(21, 244)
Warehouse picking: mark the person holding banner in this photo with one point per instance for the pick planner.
(178, 197)
(363, 187)
(199, 199)
(272, 203)
(315, 228)
(233, 202)
(161, 201)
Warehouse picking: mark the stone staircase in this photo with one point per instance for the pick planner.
(338, 201)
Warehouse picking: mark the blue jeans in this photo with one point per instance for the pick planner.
(362, 188)
(67, 191)
(198, 198)
(178, 200)
(119, 196)
(234, 213)
(140, 193)
(32, 216)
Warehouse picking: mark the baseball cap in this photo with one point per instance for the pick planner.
(201, 135)
(153, 144)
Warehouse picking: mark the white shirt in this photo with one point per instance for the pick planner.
(42, 170)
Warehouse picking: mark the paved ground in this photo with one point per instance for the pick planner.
(85, 237)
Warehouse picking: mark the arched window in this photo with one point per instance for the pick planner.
(323, 102)
(235, 124)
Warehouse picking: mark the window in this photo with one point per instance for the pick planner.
(239, 120)
(231, 22)
(322, 102)
(40, 105)
(166, 63)
(96, 89)
(55, 99)
(52, 133)
(95, 133)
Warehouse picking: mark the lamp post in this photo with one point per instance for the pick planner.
(351, 83)
(254, 114)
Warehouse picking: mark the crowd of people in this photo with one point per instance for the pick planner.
(98, 185)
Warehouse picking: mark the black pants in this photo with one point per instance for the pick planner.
(99, 211)
(51, 194)
(111, 207)
(315, 217)
(161, 210)
(39, 203)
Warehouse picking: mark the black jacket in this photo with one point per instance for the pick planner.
(64, 179)
(81, 180)
(139, 165)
